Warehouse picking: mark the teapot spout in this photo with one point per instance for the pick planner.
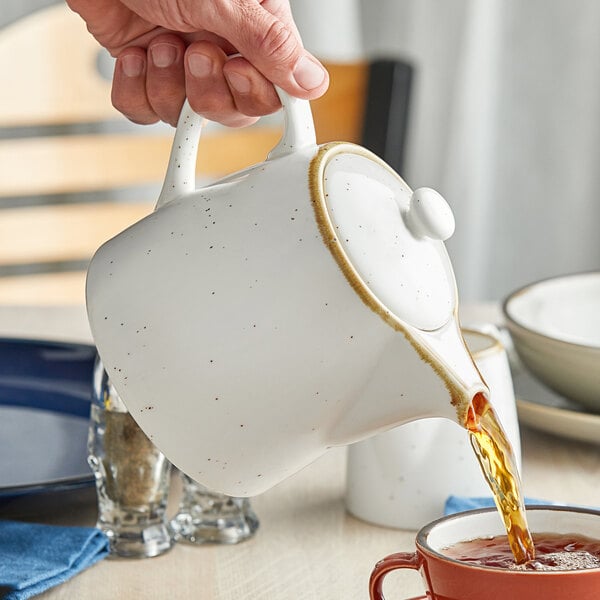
(420, 374)
(447, 353)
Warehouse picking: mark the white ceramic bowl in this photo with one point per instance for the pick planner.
(555, 327)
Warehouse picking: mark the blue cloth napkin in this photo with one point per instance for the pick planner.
(34, 558)
(456, 504)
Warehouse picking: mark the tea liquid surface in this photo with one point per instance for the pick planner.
(496, 457)
(554, 552)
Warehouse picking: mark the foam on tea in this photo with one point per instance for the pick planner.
(554, 552)
(497, 460)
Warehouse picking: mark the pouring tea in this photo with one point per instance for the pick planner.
(305, 302)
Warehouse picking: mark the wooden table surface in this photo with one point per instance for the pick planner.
(307, 546)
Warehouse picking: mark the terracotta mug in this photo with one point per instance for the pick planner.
(446, 578)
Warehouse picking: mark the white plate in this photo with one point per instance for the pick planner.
(546, 411)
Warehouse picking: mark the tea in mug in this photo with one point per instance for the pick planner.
(553, 552)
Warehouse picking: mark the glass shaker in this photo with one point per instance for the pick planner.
(209, 517)
(132, 476)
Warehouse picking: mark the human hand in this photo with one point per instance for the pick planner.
(168, 50)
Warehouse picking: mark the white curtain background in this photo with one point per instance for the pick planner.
(505, 123)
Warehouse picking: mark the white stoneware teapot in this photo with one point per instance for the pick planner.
(302, 303)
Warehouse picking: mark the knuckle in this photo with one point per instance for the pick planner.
(214, 108)
(135, 110)
(257, 108)
(167, 38)
(259, 111)
(209, 103)
(167, 111)
(118, 100)
(278, 42)
(165, 90)
(237, 121)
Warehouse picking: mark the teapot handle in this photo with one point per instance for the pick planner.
(180, 179)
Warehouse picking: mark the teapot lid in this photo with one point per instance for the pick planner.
(387, 239)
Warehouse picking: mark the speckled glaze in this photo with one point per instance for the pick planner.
(239, 330)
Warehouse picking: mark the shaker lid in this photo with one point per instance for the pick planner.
(388, 238)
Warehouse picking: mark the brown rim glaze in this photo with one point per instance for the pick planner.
(318, 198)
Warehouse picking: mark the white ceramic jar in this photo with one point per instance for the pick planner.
(403, 477)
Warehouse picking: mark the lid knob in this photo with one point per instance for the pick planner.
(429, 215)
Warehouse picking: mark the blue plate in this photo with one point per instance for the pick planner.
(45, 394)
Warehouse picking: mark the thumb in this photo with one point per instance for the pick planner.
(266, 36)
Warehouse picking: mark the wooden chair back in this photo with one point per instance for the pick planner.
(74, 172)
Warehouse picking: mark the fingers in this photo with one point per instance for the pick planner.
(151, 85)
(206, 87)
(228, 90)
(165, 77)
(252, 92)
(129, 87)
(266, 36)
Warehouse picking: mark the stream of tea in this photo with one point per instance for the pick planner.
(496, 457)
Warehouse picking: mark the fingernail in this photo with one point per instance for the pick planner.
(163, 55)
(238, 82)
(133, 66)
(308, 74)
(200, 65)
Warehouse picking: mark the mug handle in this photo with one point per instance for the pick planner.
(399, 560)
(180, 179)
